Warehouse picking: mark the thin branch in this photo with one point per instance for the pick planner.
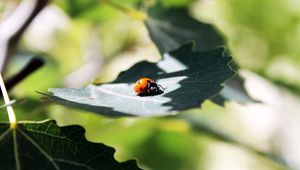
(13, 27)
(34, 64)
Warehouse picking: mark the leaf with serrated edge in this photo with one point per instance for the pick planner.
(44, 145)
(171, 27)
(189, 78)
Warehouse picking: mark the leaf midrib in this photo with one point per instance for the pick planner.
(15, 147)
(130, 97)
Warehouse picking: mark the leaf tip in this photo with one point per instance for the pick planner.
(191, 45)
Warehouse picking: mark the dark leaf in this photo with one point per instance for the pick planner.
(44, 145)
(172, 27)
(169, 28)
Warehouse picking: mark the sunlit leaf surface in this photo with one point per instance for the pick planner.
(189, 78)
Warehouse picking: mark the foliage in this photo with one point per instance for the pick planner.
(44, 145)
(188, 77)
(80, 40)
(171, 27)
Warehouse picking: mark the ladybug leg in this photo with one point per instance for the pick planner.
(163, 88)
(148, 86)
(149, 93)
(142, 94)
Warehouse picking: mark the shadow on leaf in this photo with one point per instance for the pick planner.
(189, 78)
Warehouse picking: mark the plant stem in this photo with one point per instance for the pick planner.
(10, 110)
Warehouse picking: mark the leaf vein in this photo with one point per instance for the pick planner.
(130, 97)
(74, 163)
(51, 160)
(4, 133)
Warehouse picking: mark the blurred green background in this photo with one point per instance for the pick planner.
(96, 40)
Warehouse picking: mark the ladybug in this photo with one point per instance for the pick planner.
(147, 87)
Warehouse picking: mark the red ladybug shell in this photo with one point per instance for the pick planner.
(141, 86)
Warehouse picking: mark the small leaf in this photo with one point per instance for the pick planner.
(44, 145)
(169, 28)
(189, 78)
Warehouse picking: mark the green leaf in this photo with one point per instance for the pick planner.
(172, 27)
(44, 145)
(189, 78)
(169, 28)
